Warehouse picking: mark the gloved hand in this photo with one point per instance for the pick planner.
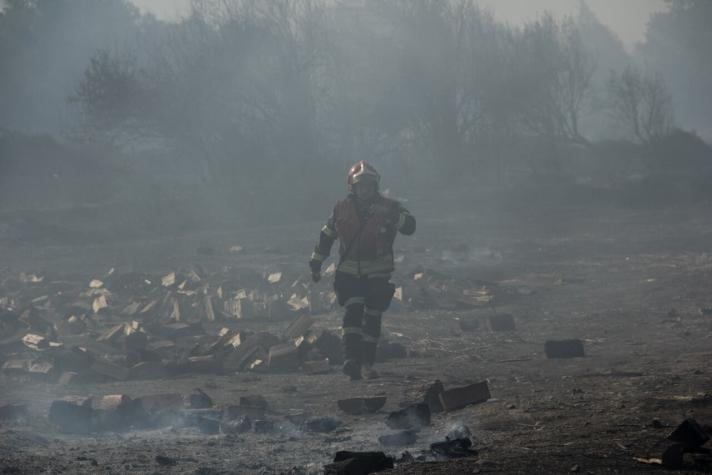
(315, 267)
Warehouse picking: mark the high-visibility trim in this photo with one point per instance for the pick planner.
(317, 257)
(351, 331)
(372, 312)
(328, 231)
(401, 218)
(355, 301)
(369, 339)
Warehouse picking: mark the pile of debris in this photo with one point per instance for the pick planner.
(412, 418)
(686, 450)
(120, 412)
(135, 326)
(429, 289)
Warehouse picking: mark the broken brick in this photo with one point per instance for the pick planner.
(690, 434)
(432, 396)
(35, 342)
(298, 327)
(112, 335)
(284, 357)
(118, 412)
(43, 369)
(16, 366)
(457, 398)
(350, 463)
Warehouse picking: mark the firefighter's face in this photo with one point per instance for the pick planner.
(365, 190)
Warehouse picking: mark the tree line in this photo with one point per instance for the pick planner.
(283, 88)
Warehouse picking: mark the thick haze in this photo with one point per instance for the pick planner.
(218, 103)
(627, 19)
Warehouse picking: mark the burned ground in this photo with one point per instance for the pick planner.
(631, 285)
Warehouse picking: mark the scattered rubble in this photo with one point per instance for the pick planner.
(140, 327)
(686, 451)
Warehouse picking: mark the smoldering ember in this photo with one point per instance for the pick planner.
(358, 236)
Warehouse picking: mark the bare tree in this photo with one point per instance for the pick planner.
(641, 103)
(556, 69)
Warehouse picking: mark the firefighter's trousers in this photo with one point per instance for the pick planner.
(365, 298)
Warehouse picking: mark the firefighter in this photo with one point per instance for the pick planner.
(366, 224)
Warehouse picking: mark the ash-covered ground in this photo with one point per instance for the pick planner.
(634, 286)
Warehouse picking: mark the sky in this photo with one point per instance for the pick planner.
(627, 18)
